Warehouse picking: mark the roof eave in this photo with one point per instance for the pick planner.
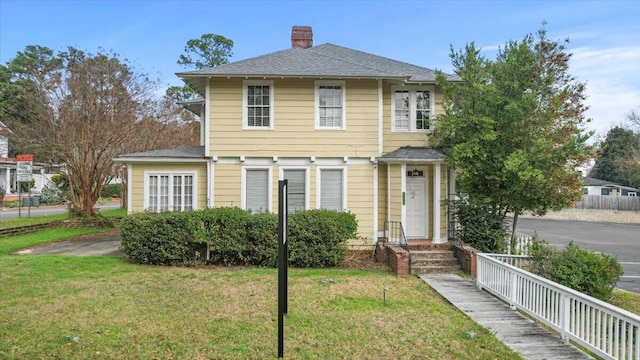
(144, 159)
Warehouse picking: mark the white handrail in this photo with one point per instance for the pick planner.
(606, 330)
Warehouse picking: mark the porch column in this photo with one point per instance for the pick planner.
(436, 203)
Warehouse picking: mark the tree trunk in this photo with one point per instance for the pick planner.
(512, 242)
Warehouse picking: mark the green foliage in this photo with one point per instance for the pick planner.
(56, 191)
(587, 272)
(208, 51)
(225, 230)
(111, 190)
(513, 127)
(26, 186)
(160, 239)
(618, 158)
(479, 226)
(318, 238)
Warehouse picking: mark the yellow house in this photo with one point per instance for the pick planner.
(348, 129)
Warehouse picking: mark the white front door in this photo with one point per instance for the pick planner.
(416, 210)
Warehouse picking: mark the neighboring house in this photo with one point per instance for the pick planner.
(348, 129)
(6, 164)
(601, 187)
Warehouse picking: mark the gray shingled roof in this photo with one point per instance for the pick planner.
(410, 153)
(589, 181)
(325, 60)
(194, 152)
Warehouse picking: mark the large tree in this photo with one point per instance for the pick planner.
(86, 110)
(618, 159)
(513, 127)
(208, 51)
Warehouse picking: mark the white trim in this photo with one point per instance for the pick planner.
(380, 118)
(436, 204)
(388, 217)
(403, 193)
(307, 181)
(211, 171)
(170, 174)
(245, 84)
(269, 185)
(319, 168)
(412, 110)
(130, 189)
(343, 86)
(375, 203)
(206, 122)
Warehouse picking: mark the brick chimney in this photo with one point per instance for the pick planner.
(301, 37)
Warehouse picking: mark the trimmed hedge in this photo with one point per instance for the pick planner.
(160, 239)
(317, 238)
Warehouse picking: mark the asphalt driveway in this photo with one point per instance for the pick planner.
(106, 244)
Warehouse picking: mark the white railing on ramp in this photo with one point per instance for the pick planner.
(604, 329)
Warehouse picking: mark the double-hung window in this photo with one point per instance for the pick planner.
(331, 189)
(330, 105)
(296, 188)
(257, 107)
(169, 192)
(256, 189)
(412, 108)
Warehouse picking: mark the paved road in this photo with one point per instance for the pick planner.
(45, 210)
(621, 240)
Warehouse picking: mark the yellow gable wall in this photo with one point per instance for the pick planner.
(137, 184)
(293, 131)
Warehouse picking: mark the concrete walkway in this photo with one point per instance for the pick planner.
(520, 333)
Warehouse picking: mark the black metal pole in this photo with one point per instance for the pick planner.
(282, 263)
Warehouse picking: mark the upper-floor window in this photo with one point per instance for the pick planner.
(257, 107)
(330, 105)
(169, 192)
(412, 108)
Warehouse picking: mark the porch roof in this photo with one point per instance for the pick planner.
(413, 154)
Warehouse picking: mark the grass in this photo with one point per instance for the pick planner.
(627, 300)
(120, 310)
(7, 223)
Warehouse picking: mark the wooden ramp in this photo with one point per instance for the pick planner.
(520, 333)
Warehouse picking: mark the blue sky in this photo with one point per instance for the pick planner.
(605, 35)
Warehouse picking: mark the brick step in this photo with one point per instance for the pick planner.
(433, 262)
(432, 254)
(435, 269)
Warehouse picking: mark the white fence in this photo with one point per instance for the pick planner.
(606, 330)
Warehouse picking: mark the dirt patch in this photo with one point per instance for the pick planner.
(628, 217)
(361, 260)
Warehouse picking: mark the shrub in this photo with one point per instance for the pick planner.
(160, 239)
(590, 273)
(225, 230)
(318, 238)
(111, 190)
(52, 194)
(479, 226)
(263, 240)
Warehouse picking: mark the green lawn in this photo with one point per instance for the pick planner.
(120, 310)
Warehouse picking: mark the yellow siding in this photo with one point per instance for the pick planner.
(382, 195)
(360, 198)
(396, 193)
(137, 184)
(227, 185)
(395, 140)
(294, 131)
